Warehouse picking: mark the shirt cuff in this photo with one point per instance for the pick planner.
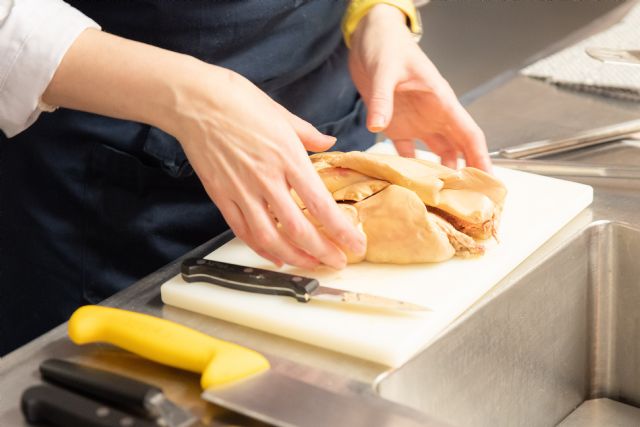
(34, 38)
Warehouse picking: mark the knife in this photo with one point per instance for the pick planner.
(583, 139)
(123, 392)
(61, 408)
(236, 377)
(303, 289)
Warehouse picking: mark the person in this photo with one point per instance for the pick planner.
(164, 107)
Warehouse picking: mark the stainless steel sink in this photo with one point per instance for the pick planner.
(563, 333)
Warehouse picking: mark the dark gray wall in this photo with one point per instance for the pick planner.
(472, 41)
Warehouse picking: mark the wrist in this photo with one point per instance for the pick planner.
(381, 17)
(188, 96)
(384, 13)
(359, 10)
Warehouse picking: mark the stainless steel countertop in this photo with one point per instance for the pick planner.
(538, 117)
(515, 111)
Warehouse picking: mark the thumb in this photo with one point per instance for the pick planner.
(311, 138)
(381, 100)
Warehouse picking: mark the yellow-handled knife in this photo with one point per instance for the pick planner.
(169, 343)
(233, 376)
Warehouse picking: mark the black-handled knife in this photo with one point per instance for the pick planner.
(61, 408)
(126, 393)
(257, 280)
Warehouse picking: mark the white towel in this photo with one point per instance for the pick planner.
(573, 68)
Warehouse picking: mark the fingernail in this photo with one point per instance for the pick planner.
(488, 167)
(377, 122)
(333, 139)
(340, 265)
(309, 265)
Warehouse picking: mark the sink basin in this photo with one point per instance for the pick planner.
(562, 334)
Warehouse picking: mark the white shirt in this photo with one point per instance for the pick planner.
(34, 36)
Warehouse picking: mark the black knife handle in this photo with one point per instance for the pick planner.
(106, 386)
(248, 279)
(61, 408)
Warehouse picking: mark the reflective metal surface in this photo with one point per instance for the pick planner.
(171, 414)
(603, 412)
(559, 330)
(365, 300)
(280, 400)
(563, 328)
(566, 331)
(582, 139)
(563, 168)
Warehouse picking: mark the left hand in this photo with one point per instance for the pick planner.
(406, 96)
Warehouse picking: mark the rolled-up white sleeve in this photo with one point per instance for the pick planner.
(34, 36)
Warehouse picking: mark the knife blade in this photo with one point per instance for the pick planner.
(126, 393)
(236, 377)
(303, 289)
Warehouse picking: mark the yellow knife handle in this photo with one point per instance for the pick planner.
(166, 342)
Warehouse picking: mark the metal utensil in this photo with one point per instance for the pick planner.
(61, 408)
(583, 139)
(614, 56)
(562, 168)
(284, 401)
(303, 289)
(234, 376)
(124, 392)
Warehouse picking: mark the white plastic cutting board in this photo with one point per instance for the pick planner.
(535, 209)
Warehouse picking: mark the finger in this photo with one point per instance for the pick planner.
(234, 217)
(324, 209)
(380, 102)
(449, 158)
(476, 153)
(263, 230)
(471, 140)
(444, 149)
(405, 147)
(311, 138)
(303, 234)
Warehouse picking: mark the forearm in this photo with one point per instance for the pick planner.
(120, 78)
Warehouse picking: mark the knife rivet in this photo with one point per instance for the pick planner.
(102, 411)
(127, 421)
(297, 279)
(248, 270)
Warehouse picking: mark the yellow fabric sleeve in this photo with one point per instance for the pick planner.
(358, 9)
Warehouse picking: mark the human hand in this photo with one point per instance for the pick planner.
(406, 96)
(249, 151)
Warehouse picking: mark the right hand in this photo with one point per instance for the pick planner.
(249, 151)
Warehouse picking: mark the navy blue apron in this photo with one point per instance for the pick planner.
(89, 204)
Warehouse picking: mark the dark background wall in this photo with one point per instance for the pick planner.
(473, 41)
